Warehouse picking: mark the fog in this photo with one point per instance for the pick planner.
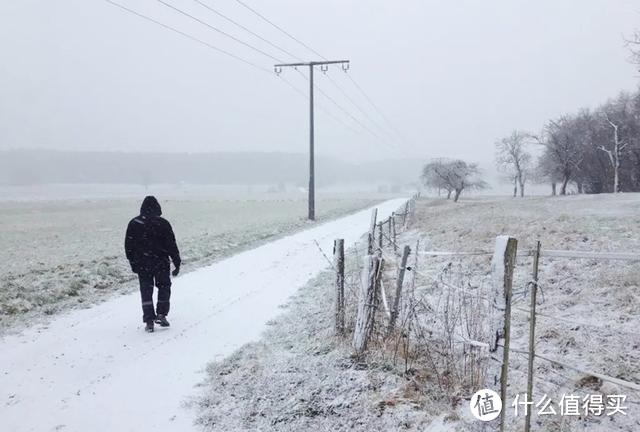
(452, 77)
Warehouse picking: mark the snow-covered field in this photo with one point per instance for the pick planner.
(75, 370)
(95, 369)
(596, 300)
(68, 252)
(301, 377)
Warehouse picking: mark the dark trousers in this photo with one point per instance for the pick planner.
(161, 279)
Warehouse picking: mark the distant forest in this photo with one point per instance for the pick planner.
(28, 167)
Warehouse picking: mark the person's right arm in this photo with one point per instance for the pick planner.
(171, 247)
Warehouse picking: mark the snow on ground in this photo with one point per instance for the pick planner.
(95, 369)
(600, 299)
(299, 376)
(68, 253)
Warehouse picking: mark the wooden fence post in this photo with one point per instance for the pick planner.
(367, 304)
(532, 334)
(374, 219)
(502, 266)
(380, 237)
(405, 214)
(399, 282)
(394, 235)
(372, 231)
(338, 261)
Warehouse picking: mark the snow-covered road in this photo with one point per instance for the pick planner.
(96, 369)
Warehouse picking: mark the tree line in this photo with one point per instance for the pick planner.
(596, 150)
(593, 150)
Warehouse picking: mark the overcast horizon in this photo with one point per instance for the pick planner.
(452, 78)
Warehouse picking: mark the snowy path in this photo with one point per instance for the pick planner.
(96, 370)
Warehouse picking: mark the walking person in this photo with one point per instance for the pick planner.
(149, 244)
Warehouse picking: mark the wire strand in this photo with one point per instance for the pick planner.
(340, 107)
(248, 30)
(355, 104)
(280, 29)
(188, 36)
(222, 32)
(375, 106)
(320, 107)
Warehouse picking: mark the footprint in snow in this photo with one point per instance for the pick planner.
(13, 400)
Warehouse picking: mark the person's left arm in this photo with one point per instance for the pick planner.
(171, 247)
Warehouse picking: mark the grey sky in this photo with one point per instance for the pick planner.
(451, 75)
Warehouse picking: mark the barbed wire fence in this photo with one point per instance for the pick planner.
(446, 310)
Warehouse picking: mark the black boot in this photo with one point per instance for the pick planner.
(149, 327)
(162, 320)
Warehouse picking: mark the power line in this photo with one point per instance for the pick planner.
(250, 63)
(337, 105)
(345, 111)
(264, 53)
(395, 130)
(355, 104)
(246, 29)
(320, 107)
(264, 18)
(240, 41)
(280, 28)
(227, 53)
(188, 36)
(378, 110)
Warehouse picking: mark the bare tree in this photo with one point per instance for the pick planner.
(616, 115)
(614, 153)
(513, 158)
(454, 176)
(633, 43)
(563, 154)
(434, 177)
(546, 171)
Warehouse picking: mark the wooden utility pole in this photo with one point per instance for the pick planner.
(312, 181)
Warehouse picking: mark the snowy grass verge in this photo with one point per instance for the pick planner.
(300, 376)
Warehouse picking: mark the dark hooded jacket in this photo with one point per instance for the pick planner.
(150, 242)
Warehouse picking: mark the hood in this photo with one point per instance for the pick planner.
(150, 207)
